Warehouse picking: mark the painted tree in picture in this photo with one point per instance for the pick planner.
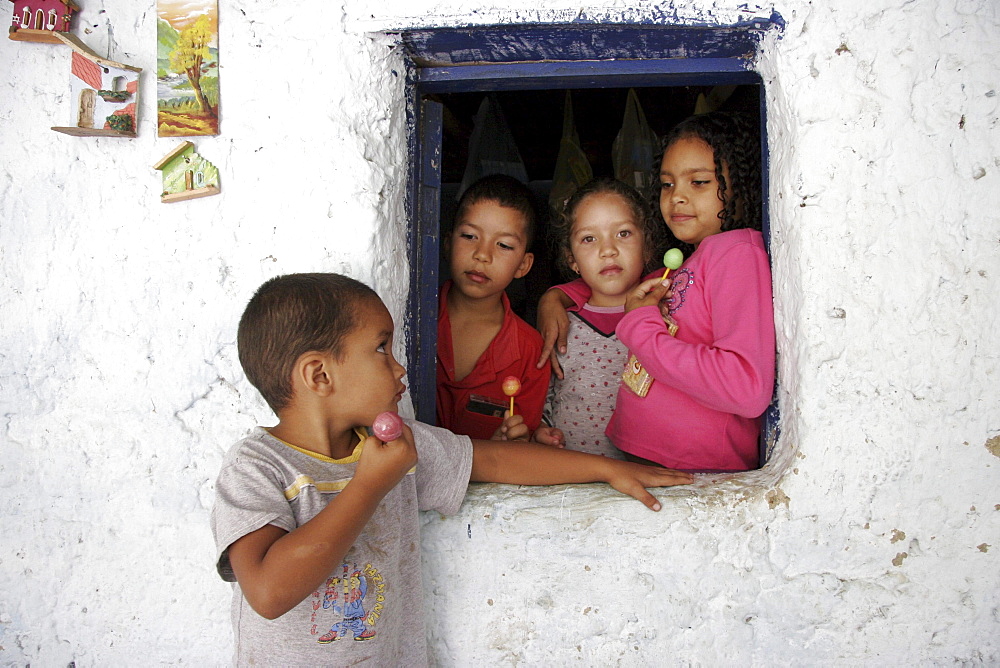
(187, 67)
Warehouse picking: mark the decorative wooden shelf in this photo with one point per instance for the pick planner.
(32, 35)
(114, 96)
(41, 20)
(190, 194)
(94, 132)
(90, 75)
(181, 168)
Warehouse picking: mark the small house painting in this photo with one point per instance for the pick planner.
(187, 175)
(39, 20)
(105, 93)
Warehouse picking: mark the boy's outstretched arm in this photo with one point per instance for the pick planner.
(278, 569)
(532, 464)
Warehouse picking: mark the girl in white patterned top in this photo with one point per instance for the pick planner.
(606, 237)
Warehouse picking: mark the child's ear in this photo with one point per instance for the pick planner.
(571, 263)
(314, 372)
(525, 266)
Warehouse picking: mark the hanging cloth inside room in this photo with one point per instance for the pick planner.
(572, 167)
(636, 148)
(714, 100)
(492, 149)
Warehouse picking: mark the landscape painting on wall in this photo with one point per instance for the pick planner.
(187, 67)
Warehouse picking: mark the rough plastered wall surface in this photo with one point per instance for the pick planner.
(872, 535)
(121, 389)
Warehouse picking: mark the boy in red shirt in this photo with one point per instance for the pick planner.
(480, 341)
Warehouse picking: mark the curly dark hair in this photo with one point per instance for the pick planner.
(561, 226)
(735, 140)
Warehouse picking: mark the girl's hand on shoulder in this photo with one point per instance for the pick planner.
(647, 293)
(633, 479)
(553, 325)
(550, 436)
(511, 429)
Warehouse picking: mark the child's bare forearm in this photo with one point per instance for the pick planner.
(520, 463)
(553, 324)
(277, 570)
(533, 464)
(554, 296)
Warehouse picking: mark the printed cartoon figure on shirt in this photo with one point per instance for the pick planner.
(346, 597)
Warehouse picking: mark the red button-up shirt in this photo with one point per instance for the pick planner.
(512, 352)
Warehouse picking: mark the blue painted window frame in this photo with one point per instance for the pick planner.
(567, 57)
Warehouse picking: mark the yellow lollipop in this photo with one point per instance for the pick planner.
(511, 386)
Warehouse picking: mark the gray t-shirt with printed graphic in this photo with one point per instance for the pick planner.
(371, 608)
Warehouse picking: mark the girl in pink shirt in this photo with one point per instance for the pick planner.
(713, 379)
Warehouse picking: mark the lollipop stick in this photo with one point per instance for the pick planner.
(511, 386)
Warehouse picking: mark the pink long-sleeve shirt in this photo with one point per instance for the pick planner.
(716, 377)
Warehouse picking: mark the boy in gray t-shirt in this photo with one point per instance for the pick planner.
(315, 521)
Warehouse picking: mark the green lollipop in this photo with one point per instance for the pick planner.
(672, 259)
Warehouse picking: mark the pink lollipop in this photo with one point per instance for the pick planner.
(388, 426)
(511, 386)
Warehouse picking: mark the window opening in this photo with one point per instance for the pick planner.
(535, 118)
(444, 95)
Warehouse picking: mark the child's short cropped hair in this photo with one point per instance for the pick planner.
(289, 316)
(506, 191)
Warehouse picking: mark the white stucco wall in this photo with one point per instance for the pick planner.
(872, 536)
